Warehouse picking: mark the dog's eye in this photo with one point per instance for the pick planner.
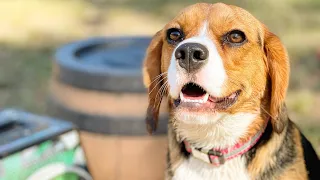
(236, 37)
(174, 35)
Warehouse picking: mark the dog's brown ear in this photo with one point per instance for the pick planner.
(278, 68)
(152, 80)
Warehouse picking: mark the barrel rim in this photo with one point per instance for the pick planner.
(97, 77)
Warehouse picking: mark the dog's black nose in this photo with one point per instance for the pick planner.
(191, 56)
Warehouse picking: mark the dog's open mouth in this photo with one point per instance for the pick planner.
(194, 96)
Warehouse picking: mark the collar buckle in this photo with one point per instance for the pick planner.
(216, 157)
(200, 155)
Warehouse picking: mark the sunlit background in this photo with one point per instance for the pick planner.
(31, 30)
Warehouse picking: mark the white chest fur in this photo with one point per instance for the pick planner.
(194, 169)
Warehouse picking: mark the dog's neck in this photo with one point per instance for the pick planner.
(223, 132)
(218, 157)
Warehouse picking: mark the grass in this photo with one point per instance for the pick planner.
(31, 30)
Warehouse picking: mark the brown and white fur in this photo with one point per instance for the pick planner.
(257, 68)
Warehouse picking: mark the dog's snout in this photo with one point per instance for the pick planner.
(191, 56)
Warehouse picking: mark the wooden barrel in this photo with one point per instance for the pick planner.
(97, 85)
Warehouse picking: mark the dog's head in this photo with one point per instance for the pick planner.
(220, 67)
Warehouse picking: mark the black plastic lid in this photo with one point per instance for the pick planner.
(105, 64)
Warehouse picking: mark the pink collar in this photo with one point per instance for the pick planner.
(218, 157)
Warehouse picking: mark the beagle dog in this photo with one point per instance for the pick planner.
(225, 77)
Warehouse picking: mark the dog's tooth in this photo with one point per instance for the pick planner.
(182, 97)
(205, 98)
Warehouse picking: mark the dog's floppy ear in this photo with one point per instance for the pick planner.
(153, 81)
(278, 68)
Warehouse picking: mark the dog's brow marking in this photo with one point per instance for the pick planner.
(203, 31)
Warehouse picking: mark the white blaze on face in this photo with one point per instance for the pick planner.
(218, 130)
(211, 76)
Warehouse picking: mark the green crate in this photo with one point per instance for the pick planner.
(34, 147)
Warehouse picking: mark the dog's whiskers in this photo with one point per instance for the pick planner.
(157, 82)
(157, 77)
(160, 92)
